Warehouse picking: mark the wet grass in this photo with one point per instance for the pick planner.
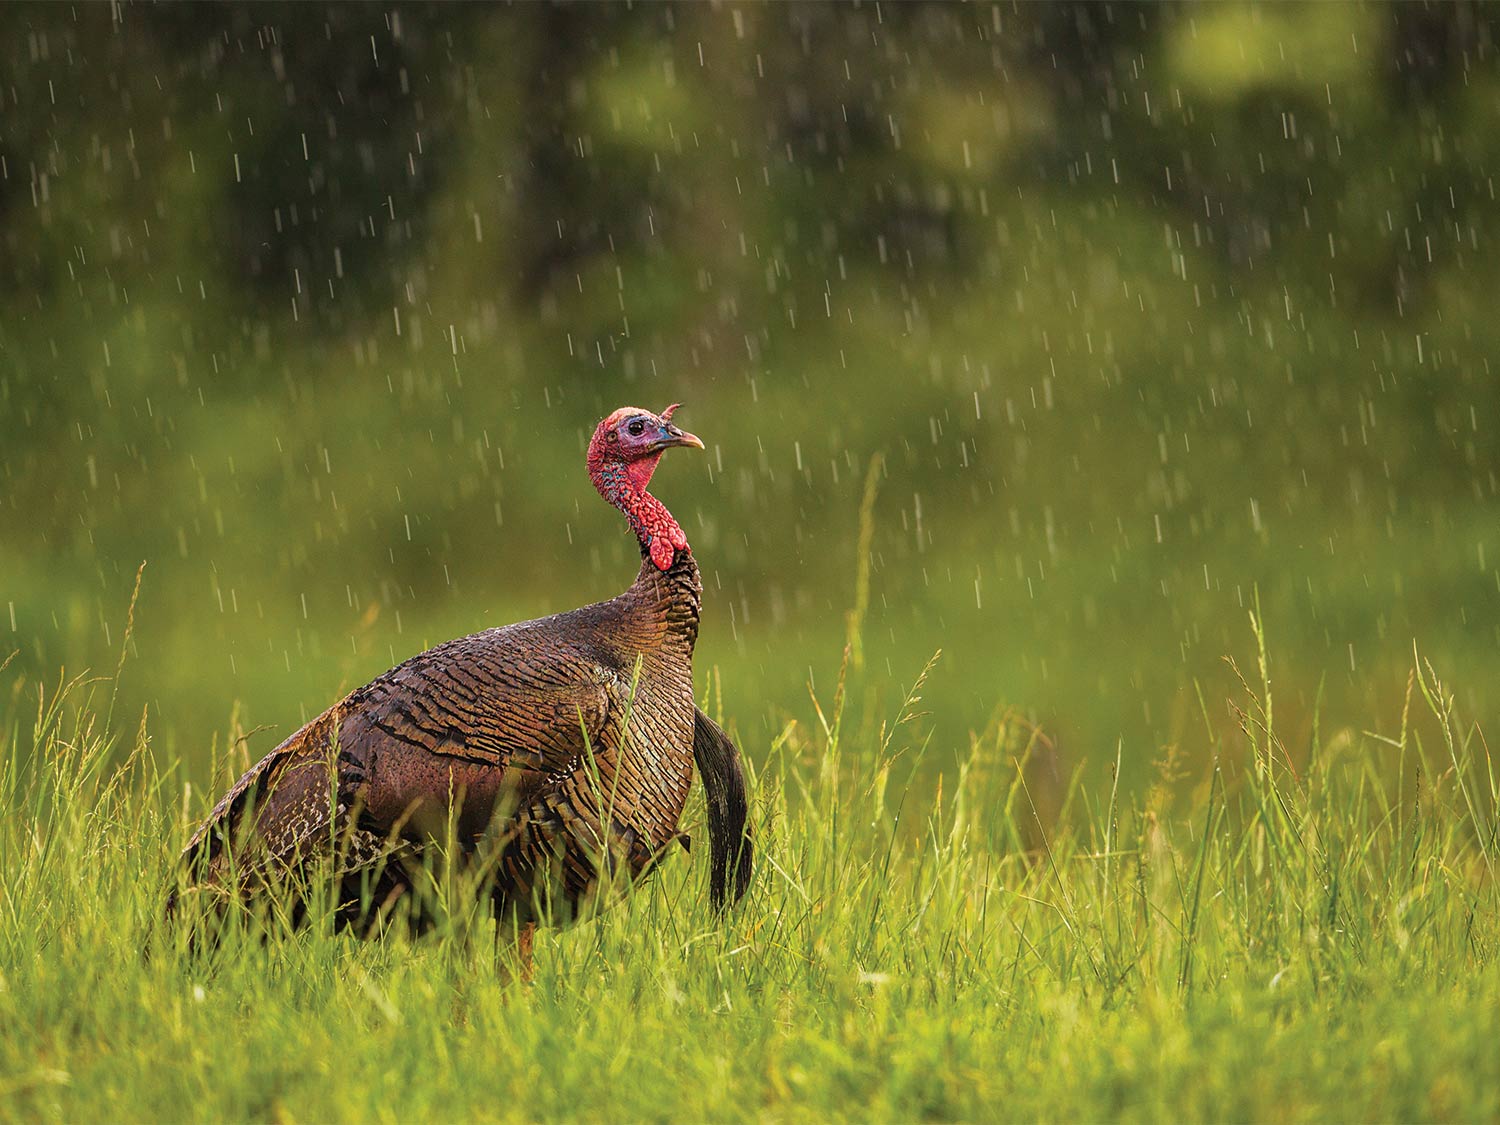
(1246, 942)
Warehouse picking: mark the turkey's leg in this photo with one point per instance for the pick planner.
(524, 938)
(520, 935)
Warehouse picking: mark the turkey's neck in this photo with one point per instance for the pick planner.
(660, 535)
(668, 579)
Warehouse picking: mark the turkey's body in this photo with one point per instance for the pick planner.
(556, 753)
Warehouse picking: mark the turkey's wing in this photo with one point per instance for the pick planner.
(472, 725)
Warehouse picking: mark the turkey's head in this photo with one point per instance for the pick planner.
(623, 454)
(628, 444)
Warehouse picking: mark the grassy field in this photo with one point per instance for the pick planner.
(1252, 942)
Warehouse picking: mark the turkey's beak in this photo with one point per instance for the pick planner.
(671, 435)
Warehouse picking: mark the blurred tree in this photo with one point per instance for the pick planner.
(343, 119)
(1432, 46)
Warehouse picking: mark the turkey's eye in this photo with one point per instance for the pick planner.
(636, 427)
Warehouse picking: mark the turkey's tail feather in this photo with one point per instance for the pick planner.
(731, 846)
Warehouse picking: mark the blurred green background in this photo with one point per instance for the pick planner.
(313, 308)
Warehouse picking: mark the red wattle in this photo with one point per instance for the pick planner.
(656, 529)
(662, 553)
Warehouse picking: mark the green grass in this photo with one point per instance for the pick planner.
(1252, 943)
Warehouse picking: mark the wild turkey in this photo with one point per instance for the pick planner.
(558, 752)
